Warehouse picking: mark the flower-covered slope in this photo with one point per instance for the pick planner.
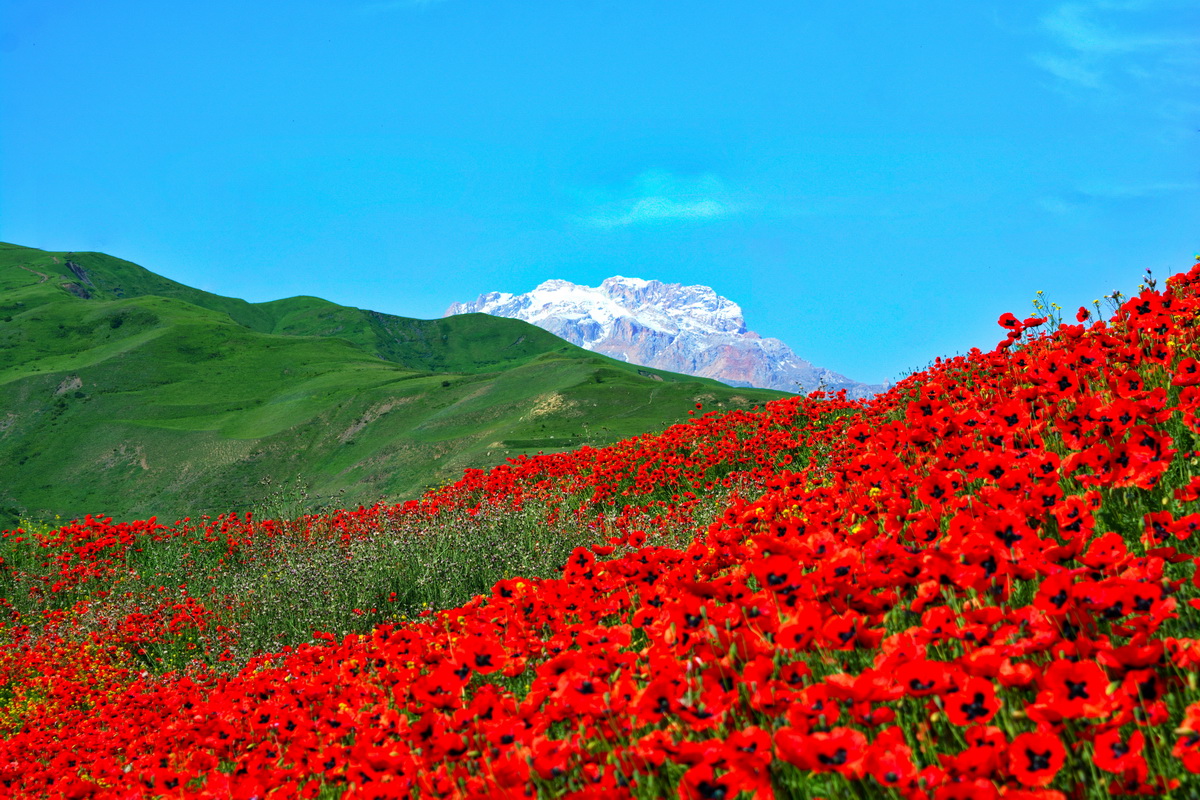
(980, 584)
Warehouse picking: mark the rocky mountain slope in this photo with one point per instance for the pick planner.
(688, 329)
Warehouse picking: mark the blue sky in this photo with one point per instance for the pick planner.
(874, 187)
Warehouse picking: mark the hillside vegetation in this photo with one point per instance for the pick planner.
(980, 584)
(127, 394)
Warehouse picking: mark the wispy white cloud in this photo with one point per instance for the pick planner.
(1059, 206)
(1073, 26)
(1092, 196)
(652, 209)
(658, 196)
(1090, 38)
(1071, 70)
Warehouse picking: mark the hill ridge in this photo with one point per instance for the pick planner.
(187, 399)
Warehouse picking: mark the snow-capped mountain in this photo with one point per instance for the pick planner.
(688, 329)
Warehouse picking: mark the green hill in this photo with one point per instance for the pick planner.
(128, 394)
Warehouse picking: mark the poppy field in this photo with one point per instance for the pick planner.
(979, 584)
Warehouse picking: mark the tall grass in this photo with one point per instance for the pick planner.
(282, 580)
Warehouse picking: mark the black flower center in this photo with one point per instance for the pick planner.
(1037, 761)
(1077, 690)
(837, 759)
(976, 708)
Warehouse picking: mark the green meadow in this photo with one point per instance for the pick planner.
(127, 394)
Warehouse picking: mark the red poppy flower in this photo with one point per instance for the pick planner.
(974, 703)
(1076, 689)
(840, 750)
(582, 694)
(1187, 373)
(441, 688)
(659, 699)
(1187, 750)
(985, 746)
(1105, 550)
(1034, 759)
(813, 706)
(875, 686)
(1055, 596)
(551, 758)
(889, 760)
(1009, 320)
(1189, 492)
(1112, 753)
(701, 782)
(750, 747)
(482, 654)
(936, 488)
(794, 674)
(778, 573)
(841, 632)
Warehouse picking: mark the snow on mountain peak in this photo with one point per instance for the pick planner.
(623, 281)
(671, 326)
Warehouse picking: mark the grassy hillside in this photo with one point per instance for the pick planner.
(125, 393)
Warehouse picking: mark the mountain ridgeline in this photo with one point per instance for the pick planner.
(687, 329)
(125, 393)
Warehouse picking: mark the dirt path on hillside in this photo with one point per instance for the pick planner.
(43, 276)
